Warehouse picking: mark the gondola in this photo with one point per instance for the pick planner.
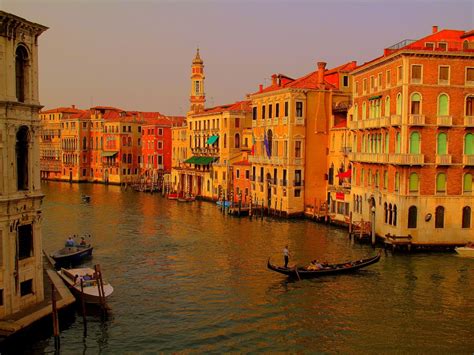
(330, 269)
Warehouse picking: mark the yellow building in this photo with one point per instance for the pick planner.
(214, 140)
(290, 127)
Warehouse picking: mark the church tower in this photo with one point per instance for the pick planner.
(197, 97)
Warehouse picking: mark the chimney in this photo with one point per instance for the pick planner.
(274, 79)
(435, 29)
(73, 106)
(321, 69)
(260, 88)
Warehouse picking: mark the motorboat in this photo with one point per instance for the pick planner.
(73, 253)
(466, 251)
(90, 286)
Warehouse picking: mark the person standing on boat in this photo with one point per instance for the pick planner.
(70, 242)
(286, 255)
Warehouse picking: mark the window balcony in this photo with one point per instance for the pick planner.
(346, 150)
(284, 120)
(444, 159)
(254, 123)
(298, 161)
(469, 121)
(275, 121)
(298, 182)
(444, 121)
(268, 122)
(396, 120)
(384, 121)
(406, 159)
(468, 159)
(299, 121)
(354, 125)
(416, 120)
(375, 158)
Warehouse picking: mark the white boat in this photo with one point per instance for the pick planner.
(465, 251)
(90, 288)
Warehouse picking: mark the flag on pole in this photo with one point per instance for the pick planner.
(267, 146)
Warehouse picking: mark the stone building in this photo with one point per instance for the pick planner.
(21, 271)
(413, 139)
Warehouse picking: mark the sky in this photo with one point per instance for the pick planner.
(136, 55)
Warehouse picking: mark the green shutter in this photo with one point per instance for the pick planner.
(398, 145)
(387, 106)
(441, 182)
(385, 179)
(387, 142)
(397, 181)
(467, 185)
(469, 144)
(364, 111)
(442, 144)
(413, 182)
(443, 105)
(415, 143)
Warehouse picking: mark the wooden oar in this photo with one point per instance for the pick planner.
(297, 274)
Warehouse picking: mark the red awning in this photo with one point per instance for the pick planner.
(345, 174)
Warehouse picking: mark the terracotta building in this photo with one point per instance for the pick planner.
(413, 145)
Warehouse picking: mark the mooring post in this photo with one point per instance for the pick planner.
(55, 318)
(83, 304)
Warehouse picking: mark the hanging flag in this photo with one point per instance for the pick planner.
(345, 174)
(266, 144)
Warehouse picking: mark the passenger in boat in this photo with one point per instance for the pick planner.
(70, 242)
(83, 242)
(315, 265)
(286, 255)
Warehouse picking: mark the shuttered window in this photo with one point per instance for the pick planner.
(467, 183)
(414, 143)
(443, 105)
(416, 73)
(442, 144)
(413, 182)
(443, 75)
(469, 144)
(441, 182)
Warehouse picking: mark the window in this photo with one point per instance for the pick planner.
(412, 216)
(379, 84)
(439, 217)
(387, 78)
(247, 174)
(399, 104)
(443, 105)
(263, 112)
(277, 110)
(443, 46)
(397, 143)
(372, 83)
(196, 87)
(413, 182)
(297, 192)
(1, 297)
(397, 181)
(429, 45)
(385, 211)
(415, 106)
(160, 131)
(269, 145)
(364, 86)
(225, 140)
(26, 287)
(345, 81)
(394, 215)
(21, 59)
(467, 183)
(237, 122)
(297, 149)
(25, 241)
(416, 73)
(469, 144)
(286, 109)
(299, 109)
(22, 140)
(254, 113)
(270, 111)
(442, 146)
(364, 110)
(466, 217)
(470, 76)
(387, 142)
(470, 106)
(237, 140)
(414, 143)
(387, 106)
(443, 75)
(399, 75)
(441, 183)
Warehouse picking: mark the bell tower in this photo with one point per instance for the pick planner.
(197, 97)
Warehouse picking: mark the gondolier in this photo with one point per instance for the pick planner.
(286, 255)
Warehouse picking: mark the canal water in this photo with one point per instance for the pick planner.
(188, 278)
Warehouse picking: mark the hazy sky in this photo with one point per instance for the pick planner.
(137, 54)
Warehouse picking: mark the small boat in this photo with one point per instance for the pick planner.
(72, 255)
(329, 269)
(173, 196)
(90, 286)
(466, 251)
(187, 198)
(225, 203)
(85, 198)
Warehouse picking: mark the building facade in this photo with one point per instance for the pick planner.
(413, 132)
(21, 272)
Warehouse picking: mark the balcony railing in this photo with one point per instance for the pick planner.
(406, 159)
(254, 123)
(372, 123)
(299, 121)
(416, 120)
(284, 120)
(50, 165)
(468, 159)
(444, 159)
(396, 120)
(376, 158)
(354, 125)
(469, 121)
(384, 121)
(346, 150)
(445, 120)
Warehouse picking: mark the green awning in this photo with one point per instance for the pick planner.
(109, 154)
(212, 139)
(375, 97)
(204, 160)
(190, 160)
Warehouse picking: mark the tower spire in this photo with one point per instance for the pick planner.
(197, 97)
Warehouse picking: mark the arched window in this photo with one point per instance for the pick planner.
(225, 140)
(130, 158)
(208, 185)
(129, 140)
(84, 143)
(467, 183)
(442, 147)
(387, 106)
(399, 104)
(413, 183)
(439, 217)
(364, 110)
(397, 181)
(441, 183)
(356, 112)
(387, 143)
(124, 158)
(21, 60)
(470, 106)
(469, 144)
(270, 142)
(385, 179)
(414, 143)
(390, 215)
(466, 217)
(443, 105)
(331, 174)
(237, 140)
(415, 104)
(362, 177)
(22, 143)
(385, 211)
(412, 217)
(394, 215)
(398, 143)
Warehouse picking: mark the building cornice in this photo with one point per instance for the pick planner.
(12, 26)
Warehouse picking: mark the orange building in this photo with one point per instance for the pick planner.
(413, 144)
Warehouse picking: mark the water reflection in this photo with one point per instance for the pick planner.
(187, 277)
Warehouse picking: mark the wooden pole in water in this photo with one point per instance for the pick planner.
(83, 304)
(100, 285)
(55, 318)
(350, 223)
